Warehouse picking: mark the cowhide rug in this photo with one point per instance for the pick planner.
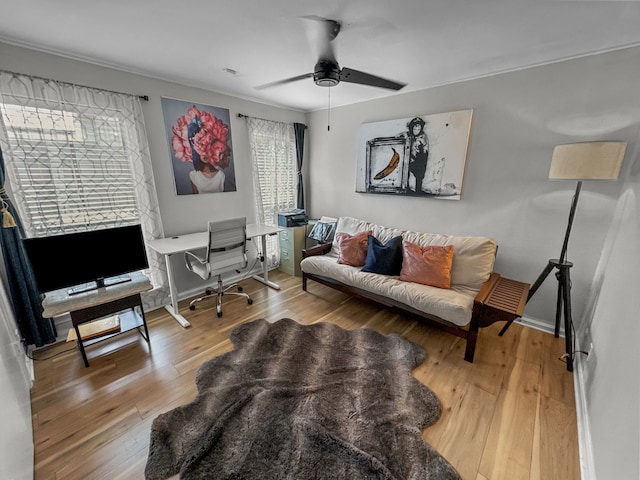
(303, 402)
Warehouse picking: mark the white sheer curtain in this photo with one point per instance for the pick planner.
(272, 146)
(77, 158)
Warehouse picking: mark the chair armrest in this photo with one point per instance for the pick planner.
(190, 258)
(316, 250)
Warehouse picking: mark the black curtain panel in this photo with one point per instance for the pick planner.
(23, 293)
(299, 129)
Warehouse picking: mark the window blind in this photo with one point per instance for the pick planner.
(72, 168)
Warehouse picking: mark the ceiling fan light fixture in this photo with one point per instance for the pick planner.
(326, 74)
(326, 82)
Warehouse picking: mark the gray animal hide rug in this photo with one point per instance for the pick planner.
(301, 402)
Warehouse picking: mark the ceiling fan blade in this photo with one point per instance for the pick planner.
(320, 33)
(282, 82)
(354, 76)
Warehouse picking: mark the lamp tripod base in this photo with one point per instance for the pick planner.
(563, 303)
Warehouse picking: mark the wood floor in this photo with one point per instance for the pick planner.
(509, 415)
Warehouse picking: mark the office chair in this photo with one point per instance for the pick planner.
(226, 252)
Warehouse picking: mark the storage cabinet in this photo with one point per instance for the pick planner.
(291, 245)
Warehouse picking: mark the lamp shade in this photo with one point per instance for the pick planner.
(587, 161)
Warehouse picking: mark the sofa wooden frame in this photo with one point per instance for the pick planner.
(499, 300)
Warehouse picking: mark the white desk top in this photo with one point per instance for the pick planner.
(59, 301)
(192, 241)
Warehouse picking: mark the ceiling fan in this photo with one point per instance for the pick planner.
(327, 72)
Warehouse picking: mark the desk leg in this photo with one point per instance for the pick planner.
(265, 269)
(172, 308)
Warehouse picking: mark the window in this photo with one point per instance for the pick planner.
(71, 169)
(77, 159)
(274, 174)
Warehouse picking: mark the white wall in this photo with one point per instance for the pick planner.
(611, 385)
(518, 118)
(184, 213)
(16, 437)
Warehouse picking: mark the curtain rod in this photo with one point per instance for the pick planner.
(36, 77)
(242, 115)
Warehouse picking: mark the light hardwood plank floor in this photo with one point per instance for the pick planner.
(509, 415)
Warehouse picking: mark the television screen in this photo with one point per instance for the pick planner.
(78, 259)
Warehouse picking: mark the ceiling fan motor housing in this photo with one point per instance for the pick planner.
(326, 74)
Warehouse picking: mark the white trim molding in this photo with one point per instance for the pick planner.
(587, 466)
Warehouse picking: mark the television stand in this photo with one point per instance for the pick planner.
(101, 302)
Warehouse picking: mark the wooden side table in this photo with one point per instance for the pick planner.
(506, 301)
(95, 304)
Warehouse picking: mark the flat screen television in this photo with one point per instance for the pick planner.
(86, 260)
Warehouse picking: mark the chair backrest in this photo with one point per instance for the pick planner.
(227, 244)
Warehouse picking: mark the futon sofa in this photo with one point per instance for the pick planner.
(460, 306)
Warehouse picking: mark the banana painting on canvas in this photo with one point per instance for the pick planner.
(417, 156)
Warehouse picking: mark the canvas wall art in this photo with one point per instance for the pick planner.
(416, 156)
(199, 138)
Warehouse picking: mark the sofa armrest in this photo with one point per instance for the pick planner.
(320, 249)
(487, 288)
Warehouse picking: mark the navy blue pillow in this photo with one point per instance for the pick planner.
(385, 259)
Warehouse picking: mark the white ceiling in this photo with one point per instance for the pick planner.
(422, 43)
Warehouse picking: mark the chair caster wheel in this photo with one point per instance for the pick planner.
(219, 314)
(208, 291)
(249, 301)
(192, 307)
(239, 289)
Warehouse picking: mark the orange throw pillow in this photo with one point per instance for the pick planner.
(429, 265)
(352, 248)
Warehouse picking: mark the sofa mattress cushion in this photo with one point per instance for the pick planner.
(454, 305)
(473, 257)
(353, 225)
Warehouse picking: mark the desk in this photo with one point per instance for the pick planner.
(93, 304)
(193, 241)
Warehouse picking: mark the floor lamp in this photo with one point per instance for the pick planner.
(577, 161)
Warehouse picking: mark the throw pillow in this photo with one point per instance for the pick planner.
(430, 265)
(352, 248)
(385, 259)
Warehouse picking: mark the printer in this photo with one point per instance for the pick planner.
(293, 218)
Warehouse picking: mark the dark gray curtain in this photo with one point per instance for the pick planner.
(23, 293)
(299, 129)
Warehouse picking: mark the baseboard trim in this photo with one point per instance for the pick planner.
(537, 324)
(587, 466)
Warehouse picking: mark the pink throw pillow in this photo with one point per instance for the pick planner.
(352, 248)
(429, 265)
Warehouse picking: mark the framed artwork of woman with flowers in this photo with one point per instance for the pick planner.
(200, 145)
